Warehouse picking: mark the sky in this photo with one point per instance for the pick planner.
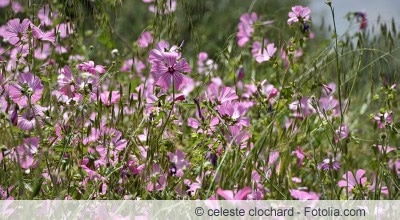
(387, 9)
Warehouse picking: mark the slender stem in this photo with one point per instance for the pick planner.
(170, 112)
(339, 69)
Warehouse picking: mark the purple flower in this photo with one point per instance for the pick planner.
(362, 18)
(14, 116)
(212, 157)
(29, 86)
(329, 164)
(240, 73)
(15, 31)
(179, 163)
(245, 28)
(263, 54)
(350, 181)
(169, 69)
(194, 186)
(5, 194)
(299, 14)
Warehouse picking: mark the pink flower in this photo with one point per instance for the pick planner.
(269, 91)
(110, 148)
(329, 164)
(92, 174)
(238, 136)
(230, 195)
(302, 108)
(329, 106)
(220, 94)
(178, 163)
(137, 65)
(194, 186)
(296, 54)
(109, 97)
(168, 7)
(161, 47)
(301, 195)
(16, 7)
(15, 31)
(145, 39)
(14, 116)
(43, 52)
(170, 70)
(300, 156)
(91, 68)
(4, 3)
(385, 149)
(299, 14)
(350, 181)
(234, 111)
(341, 133)
(383, 119)
(263, 54)
(44, 15)
(245, 28)
(26, 153)
(205, 65)
(31, 118)
(28, 86)
(131, 168)
(43, 36)
(157, 179)
(240, 73)
(5, 195)
(64, 29)
(329, 89)
(66, 80)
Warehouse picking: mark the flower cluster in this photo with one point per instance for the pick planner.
(156, 120)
